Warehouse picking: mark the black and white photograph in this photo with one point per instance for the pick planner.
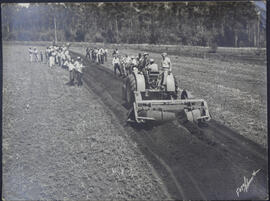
(134, 100)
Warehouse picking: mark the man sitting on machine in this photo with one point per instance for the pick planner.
(153, 74)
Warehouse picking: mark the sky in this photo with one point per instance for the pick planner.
(260, 4)
(24, 4)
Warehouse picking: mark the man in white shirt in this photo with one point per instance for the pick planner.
(134, 61)
(51, 58)
(65, 63)
(116, 65)
(30, 51)
(36, 54)
(95, 58)
(127, 59)
(101, 55)
(152, 66)
(127, 64)
(71, 70)
(166, 67)
(79, 69)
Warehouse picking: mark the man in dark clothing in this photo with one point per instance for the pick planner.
(142, 67)
(87, 53)
(41, 56)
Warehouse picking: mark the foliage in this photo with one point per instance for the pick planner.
(192, 23)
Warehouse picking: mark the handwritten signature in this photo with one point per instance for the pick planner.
(244, 187)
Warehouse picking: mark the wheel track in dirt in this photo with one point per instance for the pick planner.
(171, 149)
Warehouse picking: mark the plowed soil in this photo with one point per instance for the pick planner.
(196, 163)
(46, 153)
(235, 91)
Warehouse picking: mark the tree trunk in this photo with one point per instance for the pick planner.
(235, 40)
(255, 35)
(55, 33)
(116, 24)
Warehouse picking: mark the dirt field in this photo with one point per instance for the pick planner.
(235, 91)
(61, 142)
(63, 156)
(207, 163)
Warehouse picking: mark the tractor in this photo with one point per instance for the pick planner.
(148, 100)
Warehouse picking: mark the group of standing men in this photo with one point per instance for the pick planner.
(97, 55)
(35, 55)
(57, 55)
(60, 56)
(125, 65)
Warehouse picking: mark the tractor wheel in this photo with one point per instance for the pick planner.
(130, 88)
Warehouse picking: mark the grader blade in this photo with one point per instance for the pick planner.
(194, 110)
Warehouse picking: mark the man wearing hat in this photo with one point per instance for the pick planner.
(166, 67)
(101, 56)
(145, 61)
(153, 66)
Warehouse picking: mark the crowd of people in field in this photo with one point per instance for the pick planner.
(123, 65)
(56, 55)
(97, 55)
(35, 55)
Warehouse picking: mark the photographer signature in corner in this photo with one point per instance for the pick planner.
(244, 187)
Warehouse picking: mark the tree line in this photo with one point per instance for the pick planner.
(186, 23)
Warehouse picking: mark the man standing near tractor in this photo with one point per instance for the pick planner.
(142, 67)
(166, 67)
(116, 64)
